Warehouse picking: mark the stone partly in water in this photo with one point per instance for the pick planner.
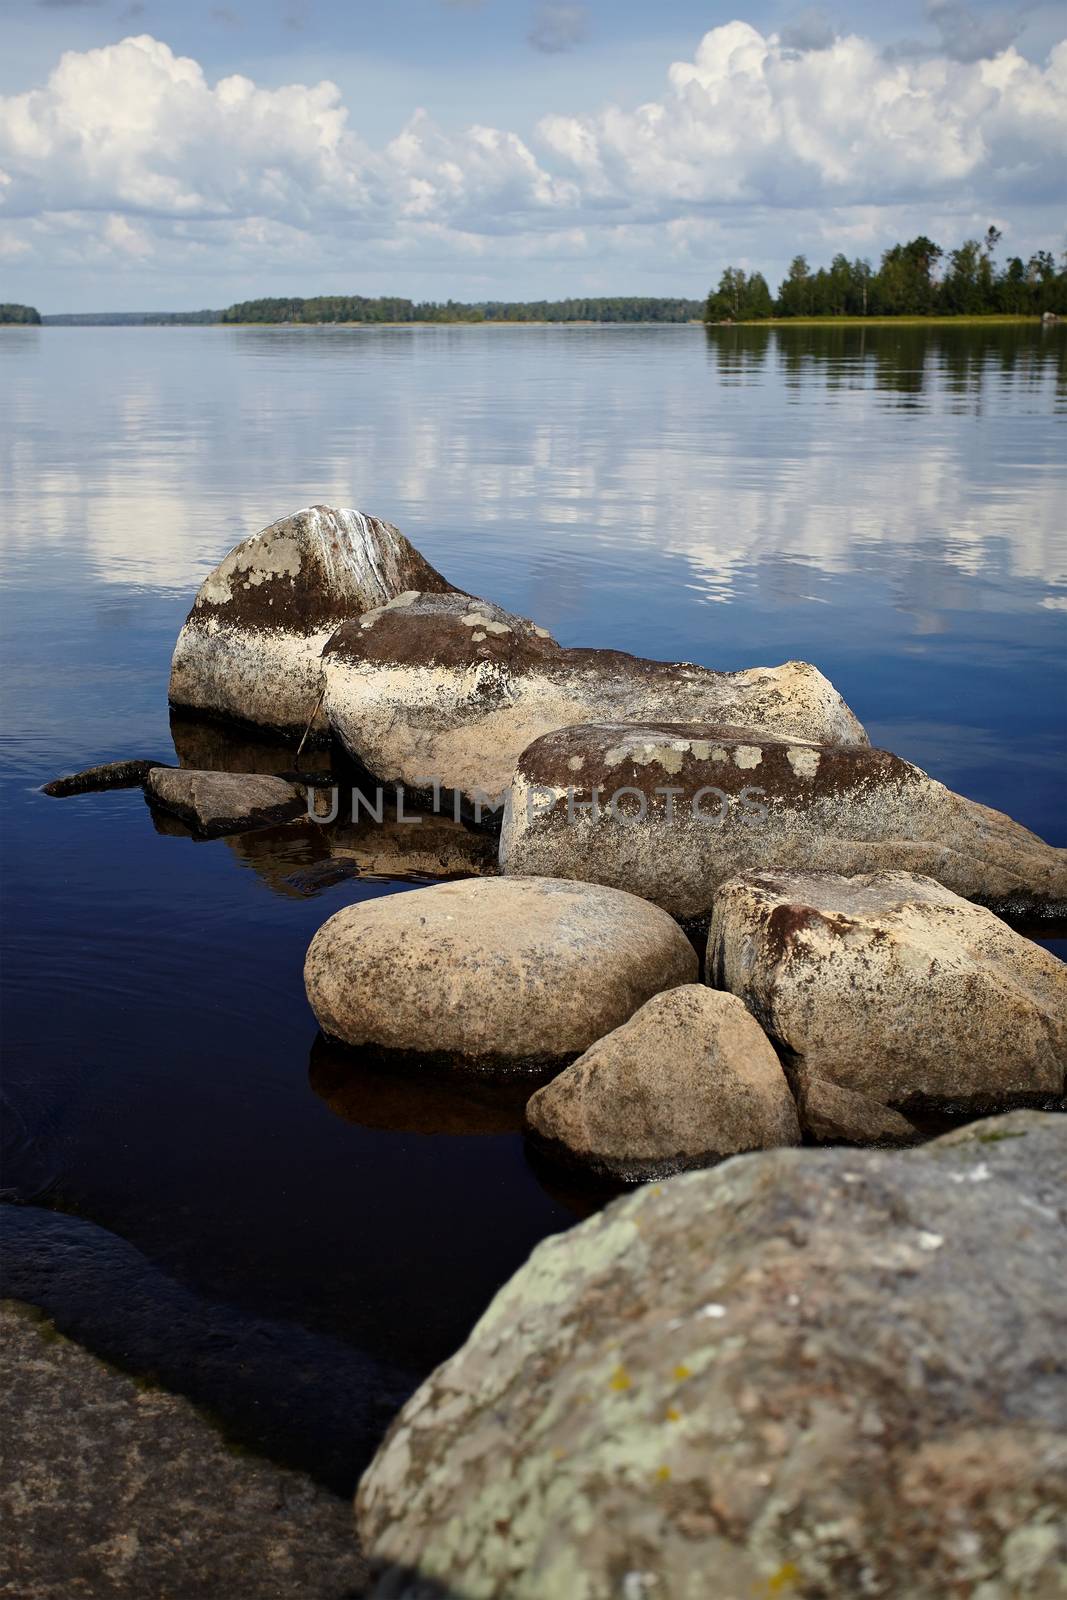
(809, 1373)
(115, 1491)
(216, 803)
(251, 645)
(442, 687)
(91, 780)
(892, 988)
(689, 1079)
(491, 974)
(696, 803)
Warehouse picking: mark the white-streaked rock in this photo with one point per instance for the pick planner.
(492, 974)
(691, 1077)
(252, 643)
(697, 803)
(892, 987)
(443, 687)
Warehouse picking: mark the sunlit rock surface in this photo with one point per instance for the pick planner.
(697, 803)
(688, 1079)
(251, 644)
(891, 987)
(443, 687)
(810, 1373)
(492, 973)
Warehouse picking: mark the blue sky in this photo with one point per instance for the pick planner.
(480, 148)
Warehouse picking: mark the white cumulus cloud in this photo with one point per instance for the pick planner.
(130, 153)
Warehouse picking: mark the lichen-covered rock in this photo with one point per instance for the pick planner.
(892, 987)
(443, 687)
(697, 803)
(808, 1373)
(114, 1491)
(689, 1079)
(251, 645)
(216, 803)
(492, 974)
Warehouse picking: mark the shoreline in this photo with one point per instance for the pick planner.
(976, 319)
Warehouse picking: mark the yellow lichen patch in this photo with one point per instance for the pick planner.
(681, 1372)
(620, 1378)
(673, 1414)
(785, 1578)
(663, 1473)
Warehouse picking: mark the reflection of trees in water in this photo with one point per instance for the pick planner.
(905, 359)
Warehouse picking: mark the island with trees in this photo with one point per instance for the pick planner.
(20, 314)
(917, 279)
(358, 308)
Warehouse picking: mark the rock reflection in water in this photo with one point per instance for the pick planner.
(363, 1087)
(305, 857)
(211, 746)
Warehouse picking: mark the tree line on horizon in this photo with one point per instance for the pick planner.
(28, 314)
(360, 308)
(917, 279)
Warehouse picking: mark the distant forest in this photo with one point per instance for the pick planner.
(10, 313)
(914, 280)
(356, 308)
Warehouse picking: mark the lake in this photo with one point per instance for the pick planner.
(203, 1200)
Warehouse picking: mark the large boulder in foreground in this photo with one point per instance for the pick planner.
(893, 988)
(442, 687)
(697, 803)
(689, 1079)
(808, 1373)
(217, 803)
(114, 1491)
(491, 974)
(251, 645)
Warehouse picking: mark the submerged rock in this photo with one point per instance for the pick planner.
(112, 775)
(697, 803)
(216, 803)
(492, 974)
(448, 688)
(688, 1079)
(810, 1373)
(118, 1491)
(892, 988)
(251, 645)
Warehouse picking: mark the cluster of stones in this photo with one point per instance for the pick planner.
(722, 923)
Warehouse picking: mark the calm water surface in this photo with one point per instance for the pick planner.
(200, 1200)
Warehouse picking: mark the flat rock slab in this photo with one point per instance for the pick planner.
(112, 775)
(670, 810)
(446, 688)
(114, 1491)
(492, 974)
(890, 987)
(808, 1373)
(251, 645)
(217, 803)
(690, 1078)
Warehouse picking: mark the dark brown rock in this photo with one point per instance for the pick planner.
(112, 1490)
(112, 775)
